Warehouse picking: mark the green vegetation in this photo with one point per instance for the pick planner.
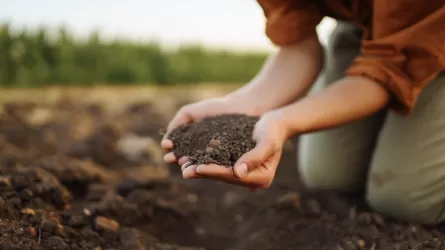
(29, 59)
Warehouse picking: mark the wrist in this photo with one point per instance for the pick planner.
(246, 102)
(279, 118)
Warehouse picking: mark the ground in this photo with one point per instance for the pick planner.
(82, 169)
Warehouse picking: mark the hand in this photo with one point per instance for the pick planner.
(197, 111)
(255, 169)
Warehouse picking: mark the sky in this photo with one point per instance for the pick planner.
(236, 24)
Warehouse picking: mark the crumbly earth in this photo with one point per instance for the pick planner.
(71, 177)
(221, 139)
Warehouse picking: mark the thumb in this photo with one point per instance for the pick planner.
(252, 159)
(182, 117)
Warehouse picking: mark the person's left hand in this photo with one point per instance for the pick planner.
(255, 169)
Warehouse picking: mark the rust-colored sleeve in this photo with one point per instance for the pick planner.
(405, 50)
(288, 21)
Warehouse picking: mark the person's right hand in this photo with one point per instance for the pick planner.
(197, 111)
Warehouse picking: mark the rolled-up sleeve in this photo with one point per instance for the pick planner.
(405, 49)
(289, 21)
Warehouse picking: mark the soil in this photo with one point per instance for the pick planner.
(78, 175)
(219, 139)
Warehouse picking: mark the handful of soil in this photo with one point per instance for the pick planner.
(220, 139)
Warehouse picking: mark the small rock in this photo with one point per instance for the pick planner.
(20, 231)
(365, 218)
(32, 231)
(60, 231)
(290, 199)
(135, 239)
(55, 242)
(86, 212)
(361, 243)
(48, 226)
(314, 208)
(200, 231)
(231, 198)
(5, 182)
(26, 194)
(378, 220)
(76, 221)
(352, 213)
(192, 198)
(106, 224)
(28, 211)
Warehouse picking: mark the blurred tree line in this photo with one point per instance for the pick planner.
(36, 59)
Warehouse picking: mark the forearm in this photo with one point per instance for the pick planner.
(347, 100)
(285, 76)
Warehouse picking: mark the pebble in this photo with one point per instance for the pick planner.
(5, 182)
(365, 218)
(106, 224)
(292, 199)
(378, 220)
(32, 231)
(28, 211)
(55, 242)
(87, 212)
(77, 221)
(314, 207)
(49, 226)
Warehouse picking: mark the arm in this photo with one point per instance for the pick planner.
(285, 76)
(347, 100)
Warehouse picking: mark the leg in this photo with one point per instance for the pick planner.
(407, 177)
(339, 158)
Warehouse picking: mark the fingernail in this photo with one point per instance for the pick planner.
(198, 169)
(185, 165)
(166, 158)
(241, 169)
(188, 173)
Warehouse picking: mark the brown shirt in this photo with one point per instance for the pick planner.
(403, 46)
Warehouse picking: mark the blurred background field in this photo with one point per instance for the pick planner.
(84, 43)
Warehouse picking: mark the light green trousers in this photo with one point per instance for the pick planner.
(400, 161)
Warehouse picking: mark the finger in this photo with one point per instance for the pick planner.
(213, 170)
(225, 174)
(170, 158)
(185, 165)
(252, 159)
(167, 144)
(219, 173)
(183, 160)
(190, 172)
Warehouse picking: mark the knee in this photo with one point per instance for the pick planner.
(400, 203)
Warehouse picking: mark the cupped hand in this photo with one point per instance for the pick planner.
(195, 112)
(255, 169)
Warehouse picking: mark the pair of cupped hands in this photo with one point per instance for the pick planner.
(255, 169)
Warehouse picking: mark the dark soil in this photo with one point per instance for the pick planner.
(77, 176)
(219, 139)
